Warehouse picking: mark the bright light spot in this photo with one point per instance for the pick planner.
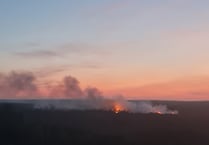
(158, 112)
(117, 108)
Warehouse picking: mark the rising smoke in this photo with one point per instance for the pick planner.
(101, 103)
(17, 84)
(24, 85)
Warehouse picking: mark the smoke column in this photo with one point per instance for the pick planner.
(105, 104)
(17, 85)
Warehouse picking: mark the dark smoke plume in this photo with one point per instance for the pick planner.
(68, 88)
(17, 84)
(24, 85)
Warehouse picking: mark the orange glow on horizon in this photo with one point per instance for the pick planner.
(188, 88)
(117, 108)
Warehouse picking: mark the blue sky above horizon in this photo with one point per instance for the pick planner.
(116, 45)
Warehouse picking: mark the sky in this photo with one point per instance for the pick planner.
(136, 48)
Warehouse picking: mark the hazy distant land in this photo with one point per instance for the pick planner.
(21, 124)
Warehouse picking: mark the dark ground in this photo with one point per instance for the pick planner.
(22, 125)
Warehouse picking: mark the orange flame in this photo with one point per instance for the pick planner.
(158, 112)
(117, 108)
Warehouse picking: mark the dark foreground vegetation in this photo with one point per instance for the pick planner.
(20, 124)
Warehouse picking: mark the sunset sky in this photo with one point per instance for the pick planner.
(156, 49)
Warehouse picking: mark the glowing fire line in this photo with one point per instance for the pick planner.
(117, 108)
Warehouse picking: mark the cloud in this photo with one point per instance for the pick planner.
(51, 70)
(32, 44)
(63, 50)
(37, 53)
